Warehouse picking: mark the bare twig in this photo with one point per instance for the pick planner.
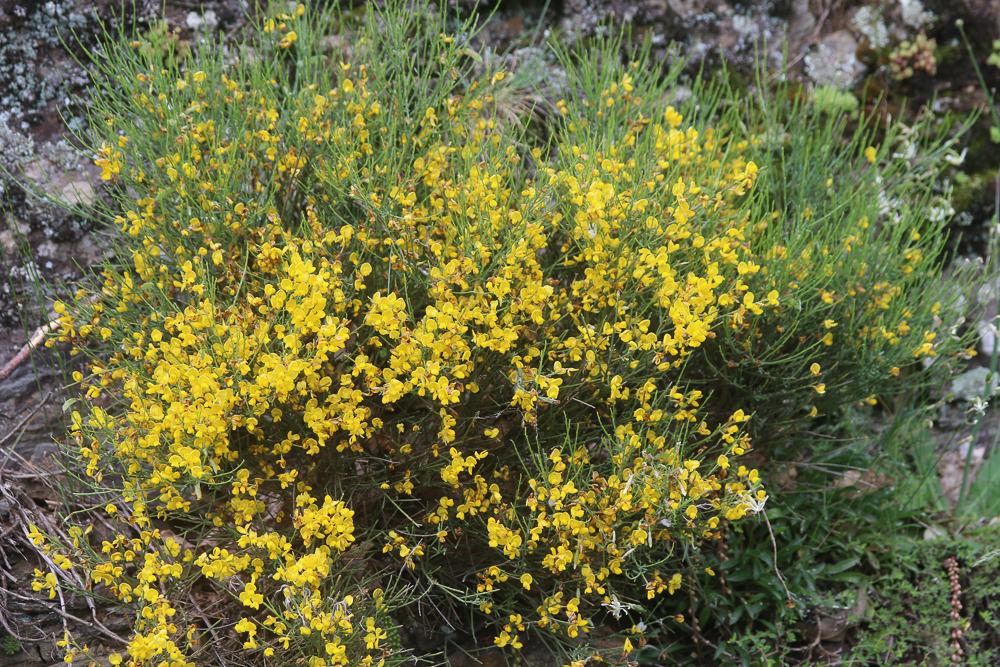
(217, 641)
(26, 350)
(66, 616)
(774, 552)
(19, 509)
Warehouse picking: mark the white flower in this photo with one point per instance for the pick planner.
(941, 212)
(955, 159)
(978, 408)
(616, 607)
(756, 506)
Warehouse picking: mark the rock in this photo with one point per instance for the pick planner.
(802, 22)
(8, 242)
(207, 21)
(53, 180)
(79, 193)
(687, 9)
(987, 338)
(834, 61)
(914, 15)
(933, 532)
(29, 404)
(988, 292)
(952, 469)
(869, 23)
(46, 250)
(971, 385)
(88, 252)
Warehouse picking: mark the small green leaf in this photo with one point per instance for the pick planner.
(845, 564)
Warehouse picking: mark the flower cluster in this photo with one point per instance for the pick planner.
(911, 57)
(358, 341)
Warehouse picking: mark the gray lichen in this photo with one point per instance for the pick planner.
(35, 72)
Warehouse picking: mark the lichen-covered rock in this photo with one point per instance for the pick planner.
(834, 61)
(705, 29)
(35, 72)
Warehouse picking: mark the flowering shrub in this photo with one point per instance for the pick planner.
(373, 353)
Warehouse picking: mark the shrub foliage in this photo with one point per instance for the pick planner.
(379, 349)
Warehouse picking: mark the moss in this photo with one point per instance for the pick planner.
(831, 100)
(973, 191)
(9, 645)
(912, 622)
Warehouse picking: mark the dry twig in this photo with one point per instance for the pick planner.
(36, 339)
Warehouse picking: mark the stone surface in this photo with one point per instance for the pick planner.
(987, 338)
(834, 61)
(972, 385)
